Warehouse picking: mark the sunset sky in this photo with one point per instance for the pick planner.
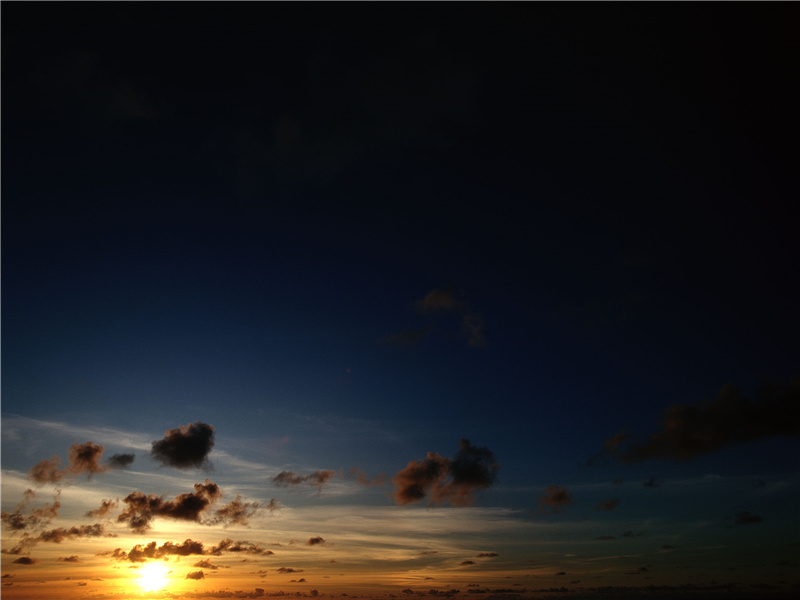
(386, 301)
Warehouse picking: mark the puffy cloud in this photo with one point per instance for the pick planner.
(195, 575)
(472, 469)
(691, 430)
(142, 508)
(47, 471)
(315, 541)
(205, 564)
(236, 512)
(142, 553)
(25, 560)
(609, 504)
(290, 478)
(85, 458)
(71, 559)
(185, 447)
(121, 461)
(60, 534)
(228, 545)
(465, 563)
(555, 499)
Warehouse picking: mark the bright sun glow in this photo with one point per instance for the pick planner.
(153, 577)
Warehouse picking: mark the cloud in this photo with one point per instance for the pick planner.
(185, 447)
(273, 505)
(691, 430)
(47, 471)
(744, 518)
(472, 469)
(555, 499)
(142, 553)
(438, 303)
(363, 479)
(25, 560)
(228, 545)
(288, 570)
(36, 517)
(315, 541)
(486, 555)
(465, 563)
(236, 512)
(121, 461)
(141, 508)
(609, 504)
(85, 458)
(289, 478)
(71, 559)
(106, 506)
(205, 564)
(195, 575)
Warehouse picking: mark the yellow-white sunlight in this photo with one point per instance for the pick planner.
(153, 577)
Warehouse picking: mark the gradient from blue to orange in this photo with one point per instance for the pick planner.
(387, 300)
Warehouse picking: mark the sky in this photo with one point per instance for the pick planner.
(492, 301)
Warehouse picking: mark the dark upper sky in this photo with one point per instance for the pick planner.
(235, 213)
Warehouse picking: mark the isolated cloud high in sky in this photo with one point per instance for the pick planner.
(185, 447)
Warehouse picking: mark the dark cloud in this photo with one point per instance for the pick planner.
(47, 471)
(106, 506)
(691, 430)
(288, 570)
(205, 564)
(37, 517)
(289, 478)
(744, 518)
(486, 555)
(236, 512)
(465, 563)
(60, 534)
(142, 508)
(195, 575)
(315, 541)
(121, 461)
(185, 447)
(85, 458)
(273, 505)
(71, 559)
(142, 553)
(609, 504)
(472, 469)
(630, 534)
(25, 560)
(555, 499)
(228, 545)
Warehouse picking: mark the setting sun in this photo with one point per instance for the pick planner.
(153, 577)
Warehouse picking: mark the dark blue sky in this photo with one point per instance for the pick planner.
(235, 215)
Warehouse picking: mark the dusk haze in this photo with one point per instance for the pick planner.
(400, 301)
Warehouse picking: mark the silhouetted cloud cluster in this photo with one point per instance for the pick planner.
(292, 479)
(36, 517)
(363, 479)
(185, 447)
(150, 551)
(142, 508)
(83, 458)
(691, 430)
(58, 535)
(472, 469)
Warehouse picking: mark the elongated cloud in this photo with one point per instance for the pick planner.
(447, 480)
(106, 506)
(21, 519)
(691, 430)
(83, 458)
(121, 461)
(292, 479)
(142, 508)
(185, 447)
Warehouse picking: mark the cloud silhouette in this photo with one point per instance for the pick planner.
(236, 512)
(47, 471)
(195, 575)
(447, 480)
(555, 499)
(605, 505)
(36, 517)
(691, 430)
(106, 506)
(82, 458)
(24, 560)
(142, 508)
(292, 479)
(185, 447)
(121, 461)
(315, 541)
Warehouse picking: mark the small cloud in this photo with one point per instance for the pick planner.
(205, 564)
(121, 461)
(292, 479)
(185, 447)
(196, 575)
(362, 478)
(465, 563)
(555, 499)
(25, 560)
(486, 555)
(85, 458)
(745, 518)
(605, 505)
(273, 505)
(47, 471)
(106, 506)
(288, 570)
(314, 541)
(70, 559)
(236, 512)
